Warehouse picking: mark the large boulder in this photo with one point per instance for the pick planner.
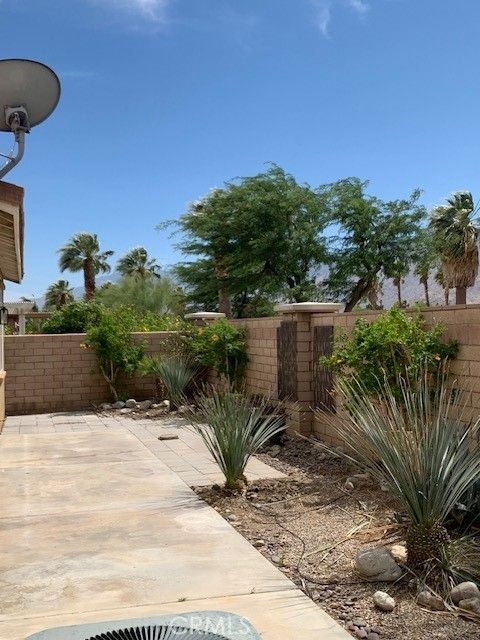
(131, 403)
(377, 565)
(145, 405)
(464, 591)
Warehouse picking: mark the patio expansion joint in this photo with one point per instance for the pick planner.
(160, 603)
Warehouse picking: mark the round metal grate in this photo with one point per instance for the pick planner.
(157, 633)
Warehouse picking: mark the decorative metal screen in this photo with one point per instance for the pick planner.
(322, 377)
(287, 360)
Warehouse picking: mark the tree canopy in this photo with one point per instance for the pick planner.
(370, 237)
(257, 235)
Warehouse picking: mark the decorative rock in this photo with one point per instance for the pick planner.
(131, 403)
(259, 543)
(359, 480)
(470, 604)
(276, 560)
(361, 633)
(145, 405)
(377, 565)
(118, 405)
(359, 622)
(373, 636)
(384, 487)
(106, 406)
(464, 591)
(233, 518)
(275, 450)
(165, 403)
(125, 410)
(383, 601)
(430, 601)
(399, 553)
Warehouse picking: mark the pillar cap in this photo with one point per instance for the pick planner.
(204, 315)
(309, 307)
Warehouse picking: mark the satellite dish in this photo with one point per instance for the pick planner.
(29, 93)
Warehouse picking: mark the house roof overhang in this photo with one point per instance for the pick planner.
(11, 232)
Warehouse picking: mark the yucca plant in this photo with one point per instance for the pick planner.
(233, 430)
(423, 445)
(175, 373)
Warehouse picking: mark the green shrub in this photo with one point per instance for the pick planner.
(395, 341)
(233, 430)
(222, 347)
(74, 317)
(117, 356)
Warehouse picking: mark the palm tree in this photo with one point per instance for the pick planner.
(82, 253)
(137, 263)
(58, 295)
(456, 236)
(440, 280)
(425, 261)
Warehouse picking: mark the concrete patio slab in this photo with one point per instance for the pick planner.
(49, 449)
(83, 538)
(187, 455)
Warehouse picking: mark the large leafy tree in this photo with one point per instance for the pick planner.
(139, 264)
(158, 295)
(58, 295)
(257, 236)
(456, 237)
(82, 253)
(371, 238)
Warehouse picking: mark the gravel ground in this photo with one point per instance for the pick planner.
(311, 528)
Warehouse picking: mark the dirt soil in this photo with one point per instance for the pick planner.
(311, 527)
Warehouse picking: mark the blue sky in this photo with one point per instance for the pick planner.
(164, 99)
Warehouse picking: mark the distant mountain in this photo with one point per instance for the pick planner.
(78, 292)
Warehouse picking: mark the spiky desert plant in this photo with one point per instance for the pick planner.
(175, 373)
(419, 442)
(233, 430)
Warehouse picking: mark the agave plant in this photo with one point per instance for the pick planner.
(175, 373)
(233, 430)
(419, 442)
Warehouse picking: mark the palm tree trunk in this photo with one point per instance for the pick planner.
(224, 303)
(446, 293)
(461, 295)
(89, 279)
(427, 294)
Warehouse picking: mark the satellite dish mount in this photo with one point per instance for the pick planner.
(29, 93)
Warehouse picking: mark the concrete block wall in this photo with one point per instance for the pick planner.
(47, 373)
(261, 372)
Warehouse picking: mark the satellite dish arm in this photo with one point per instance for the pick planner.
(12, 162)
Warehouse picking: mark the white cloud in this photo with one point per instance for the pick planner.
(323, 11)
(153, 10)
(360, 6)
(322, 16)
